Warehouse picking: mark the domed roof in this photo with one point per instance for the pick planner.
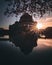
(26, 18)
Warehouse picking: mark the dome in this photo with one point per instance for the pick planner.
(26, 18)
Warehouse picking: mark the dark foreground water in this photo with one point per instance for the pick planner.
(40, 55)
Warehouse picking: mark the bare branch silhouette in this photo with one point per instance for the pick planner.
(39, 7)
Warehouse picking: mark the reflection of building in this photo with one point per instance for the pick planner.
(21, 33)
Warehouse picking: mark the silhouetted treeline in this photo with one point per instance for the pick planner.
(47, 32)
(3, 32)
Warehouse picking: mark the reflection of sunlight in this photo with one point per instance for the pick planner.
(39, 25)
(42, 36)
(43, 44)
(6, 36)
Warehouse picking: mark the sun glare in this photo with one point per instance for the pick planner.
(39, 25)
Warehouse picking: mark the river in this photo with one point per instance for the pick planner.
(39, 55)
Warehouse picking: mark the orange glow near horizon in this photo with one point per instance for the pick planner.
(46, 22)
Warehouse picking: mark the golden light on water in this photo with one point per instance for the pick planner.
(39, 25)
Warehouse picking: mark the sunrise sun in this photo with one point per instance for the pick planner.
(39, 25)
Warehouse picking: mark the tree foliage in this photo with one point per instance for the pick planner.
(39, 7)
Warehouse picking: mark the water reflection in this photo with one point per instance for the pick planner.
(42, 44)
(41, 53)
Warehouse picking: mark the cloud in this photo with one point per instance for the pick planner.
(49, 19)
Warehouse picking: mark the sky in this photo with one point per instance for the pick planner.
(5, 21)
